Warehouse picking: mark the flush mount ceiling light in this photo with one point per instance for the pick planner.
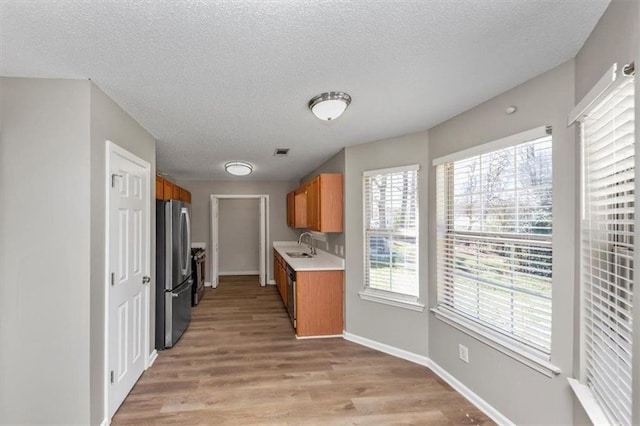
(329, 105)
(238, 168)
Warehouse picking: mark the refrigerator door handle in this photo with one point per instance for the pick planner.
(187, 248)
(187, 287)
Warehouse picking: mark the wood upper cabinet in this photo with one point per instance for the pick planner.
(291, 209)
(297, 208)
(159, 188)
(166, 190)
(300, 208)
(324, 203)
(313, 195)
(317, 205)
(184, 195)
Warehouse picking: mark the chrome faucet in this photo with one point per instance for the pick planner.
(311, 247)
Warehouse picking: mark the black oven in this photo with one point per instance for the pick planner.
(198, 256)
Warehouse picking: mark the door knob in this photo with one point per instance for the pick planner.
(146, 279)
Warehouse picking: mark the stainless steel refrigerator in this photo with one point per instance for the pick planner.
(173, 271)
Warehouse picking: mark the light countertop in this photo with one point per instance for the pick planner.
(322, 261)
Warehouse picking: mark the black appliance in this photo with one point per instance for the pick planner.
(173, 271)
(291, 294)
(197, 266)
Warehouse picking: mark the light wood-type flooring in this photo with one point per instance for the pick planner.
(239, 363)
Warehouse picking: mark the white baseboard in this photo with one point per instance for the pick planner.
(463, 390)
(483, 405)
(207, 284)
(271, 282)
(399, 353)
(104, 422)
(152, 357)
(239, 273)
(328, 336)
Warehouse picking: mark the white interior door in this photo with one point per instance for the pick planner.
(214, 242)
(129, 264)
(262, 242)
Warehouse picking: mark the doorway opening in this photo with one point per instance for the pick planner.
(260, 221)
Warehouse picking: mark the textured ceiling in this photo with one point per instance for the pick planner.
(215, 81)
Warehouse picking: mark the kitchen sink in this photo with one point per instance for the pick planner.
(298, 254)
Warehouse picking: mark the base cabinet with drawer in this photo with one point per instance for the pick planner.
(319, 299)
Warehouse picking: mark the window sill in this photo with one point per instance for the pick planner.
(391, 299)
(495, 341)
(588, 402)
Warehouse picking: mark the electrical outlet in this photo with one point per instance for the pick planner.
(463, 353)
(341, 250)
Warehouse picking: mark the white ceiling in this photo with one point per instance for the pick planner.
(215, 81)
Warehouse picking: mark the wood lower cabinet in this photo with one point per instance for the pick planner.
(280, 275)
(319, 299)
(319, 303)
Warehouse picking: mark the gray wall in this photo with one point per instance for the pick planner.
(393, 326)
(239, 235)
(614, 39)
(52, 187)
(545, 100)
(201, 192)
(335, 164)
(110, 122)
(44, 251)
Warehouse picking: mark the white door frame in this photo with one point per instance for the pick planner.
(148, 357)
(264, 235)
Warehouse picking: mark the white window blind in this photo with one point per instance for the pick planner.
(494, 242)
(607, 249)
(391, 230)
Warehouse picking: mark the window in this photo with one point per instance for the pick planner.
(391, 231)
(494, 241)
(607, 232)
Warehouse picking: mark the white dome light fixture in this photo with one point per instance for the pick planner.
(238, 168)
(329, 105)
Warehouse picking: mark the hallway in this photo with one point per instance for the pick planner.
(239, 363)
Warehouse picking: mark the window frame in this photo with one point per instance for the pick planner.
(537, 360)
(389, 297)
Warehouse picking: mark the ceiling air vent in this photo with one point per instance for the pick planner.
(281, 152)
